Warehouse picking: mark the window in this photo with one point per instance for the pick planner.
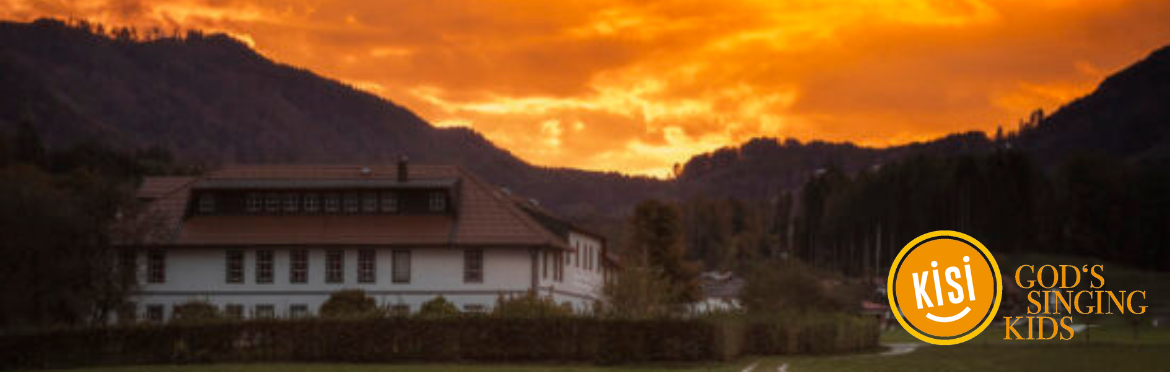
(156, 262)
(206, 203)
(600, 260)
(234, 311)
(438, 202)
(558, 266)
(253, 203)
(332, 203)
(264, 266)
(474, 308)
(351, 202)
(298, 268)
(235, 266)
(400, 310)
(370, 202)
(154, 313)
(292, 202)
(334, 266)
(265, 311)
(544, 267)
(473, 266)
(401, 266)
(128, 266)
(588, 258)
(312, 204)
(272, 203)
(389, 202)
(367, 266)
(298, 311)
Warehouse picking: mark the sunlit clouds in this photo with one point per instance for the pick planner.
(636, 86)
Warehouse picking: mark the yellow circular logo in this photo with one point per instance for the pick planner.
(944, 287)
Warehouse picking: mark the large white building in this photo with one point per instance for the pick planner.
(277, 240)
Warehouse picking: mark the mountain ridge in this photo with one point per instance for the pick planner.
(212, 99)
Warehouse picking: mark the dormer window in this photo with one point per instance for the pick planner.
(389, 202)
(206, 203)
(272, 203)
(370, 202)
(351, 202)
(312, 204)
(292, 202)
(253, 203)
(332, 203)
(438, 202)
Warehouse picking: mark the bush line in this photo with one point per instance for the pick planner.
(488, 339)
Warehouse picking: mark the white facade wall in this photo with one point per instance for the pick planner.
(581, 285)
(201, 274)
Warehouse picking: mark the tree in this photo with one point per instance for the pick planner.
(792, 286)
(639, 292)
(56, 256)
(348, 303)
(195, 312)
(529, 305)
(438, 308)
(28, 146)
(655, 276)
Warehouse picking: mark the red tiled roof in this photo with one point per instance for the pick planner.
(484, 215)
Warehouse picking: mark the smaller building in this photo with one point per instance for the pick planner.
(720, 292)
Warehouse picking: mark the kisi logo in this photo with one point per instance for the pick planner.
(944, 287)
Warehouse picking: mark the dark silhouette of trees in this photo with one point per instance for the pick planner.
(62, 213)
(28, 146)
(656, 278)
(348, 303)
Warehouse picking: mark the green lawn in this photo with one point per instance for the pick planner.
(1112, 348)
(728, 367)
(999, 357)
(1112, 333)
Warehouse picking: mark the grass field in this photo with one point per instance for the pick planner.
(1001, 357)
(727, 367)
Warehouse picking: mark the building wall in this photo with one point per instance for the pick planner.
(201, 274)
(581, 285)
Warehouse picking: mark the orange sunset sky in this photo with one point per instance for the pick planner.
(636, 86)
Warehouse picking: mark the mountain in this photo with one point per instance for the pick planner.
(761, 167)
(1127, 116)
(211, 99)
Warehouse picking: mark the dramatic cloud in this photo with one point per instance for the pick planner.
(636, 86)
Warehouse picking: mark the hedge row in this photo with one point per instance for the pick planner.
(813, 335)
(602, 341)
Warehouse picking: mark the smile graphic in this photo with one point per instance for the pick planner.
(949, 319)
(944, 287)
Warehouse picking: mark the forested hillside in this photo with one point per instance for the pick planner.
(1089, 178)
(212, 100)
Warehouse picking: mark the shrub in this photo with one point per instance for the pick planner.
(196, 312)
(811, 334)
(348, 303)
(365, 340)
(438, 308)
(792, 286)
(529, 305)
